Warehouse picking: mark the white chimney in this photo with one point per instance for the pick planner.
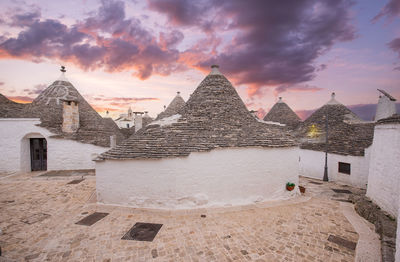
(138, 121)
(386, 107)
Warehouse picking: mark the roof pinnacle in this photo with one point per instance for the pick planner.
(215, 70)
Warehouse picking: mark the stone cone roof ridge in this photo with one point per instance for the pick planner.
(48, 106)
(173, 108)
(93, 128)
(213, 117)
(282, 113)
(347, 133)
(394, 119)
(11, 109)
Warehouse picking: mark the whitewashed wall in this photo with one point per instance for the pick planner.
(233, 176)
(398, 235)
(384, 172)
(62, 154)
(311, 164)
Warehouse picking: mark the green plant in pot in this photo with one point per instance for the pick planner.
(290, 186)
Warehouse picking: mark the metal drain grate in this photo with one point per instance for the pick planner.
(342, 191)
(315, 183)
(142, 232)
(342, 242)
(91, 219)
(76, 181)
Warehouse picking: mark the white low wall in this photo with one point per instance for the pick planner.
(384, 171)
(234, 176)
(398, 236)
(62, 154)
(311, 164)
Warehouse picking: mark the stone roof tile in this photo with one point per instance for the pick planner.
(390, 120)
(176, 104)
(283, 114)
(213, 117)
(347, 133)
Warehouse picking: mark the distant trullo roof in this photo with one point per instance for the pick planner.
(213, 117)
(48, 106)
(176, 104)
(283, 114)
(11, 109)
(347, 133)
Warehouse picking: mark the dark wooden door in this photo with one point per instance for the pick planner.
(38, 154)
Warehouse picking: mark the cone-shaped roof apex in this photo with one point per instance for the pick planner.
(283, 114)
(49, 106)
(347, 133)
(173, 108)
(213, 117)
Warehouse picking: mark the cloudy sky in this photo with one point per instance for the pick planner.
(139, 53)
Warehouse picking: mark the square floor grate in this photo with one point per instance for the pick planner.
(91, 219)
(342, 242)
(142, 232)
(76, 181)
(315, 183)
(341, 191)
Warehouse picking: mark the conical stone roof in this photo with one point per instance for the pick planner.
(11, 109)
(48, 106)
(283, 114)
(213, 117)
(347, 133)
(176, 104)
(93, 128)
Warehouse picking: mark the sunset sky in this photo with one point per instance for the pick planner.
(140, 53)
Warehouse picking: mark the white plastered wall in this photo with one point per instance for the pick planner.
(398, 234)
(311, 164)
(234, 176)
(62, 154)
(384, 172)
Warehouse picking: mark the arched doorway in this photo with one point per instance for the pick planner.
(33, 152)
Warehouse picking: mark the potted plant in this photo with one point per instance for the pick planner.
(289, 186)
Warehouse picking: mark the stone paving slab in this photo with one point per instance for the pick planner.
(295, 230)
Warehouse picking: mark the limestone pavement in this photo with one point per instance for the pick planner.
(38, 216)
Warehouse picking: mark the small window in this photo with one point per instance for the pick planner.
(69, 103)
(344, 168)
(127, 125)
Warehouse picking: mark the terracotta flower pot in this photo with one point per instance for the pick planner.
(289, 188)
(302, 189)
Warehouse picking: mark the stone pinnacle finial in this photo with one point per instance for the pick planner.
(63, 69)
(333, 101)
(280, 100)
(215, 70)
(178, 93)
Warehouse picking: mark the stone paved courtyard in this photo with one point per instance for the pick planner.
(38, 216)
